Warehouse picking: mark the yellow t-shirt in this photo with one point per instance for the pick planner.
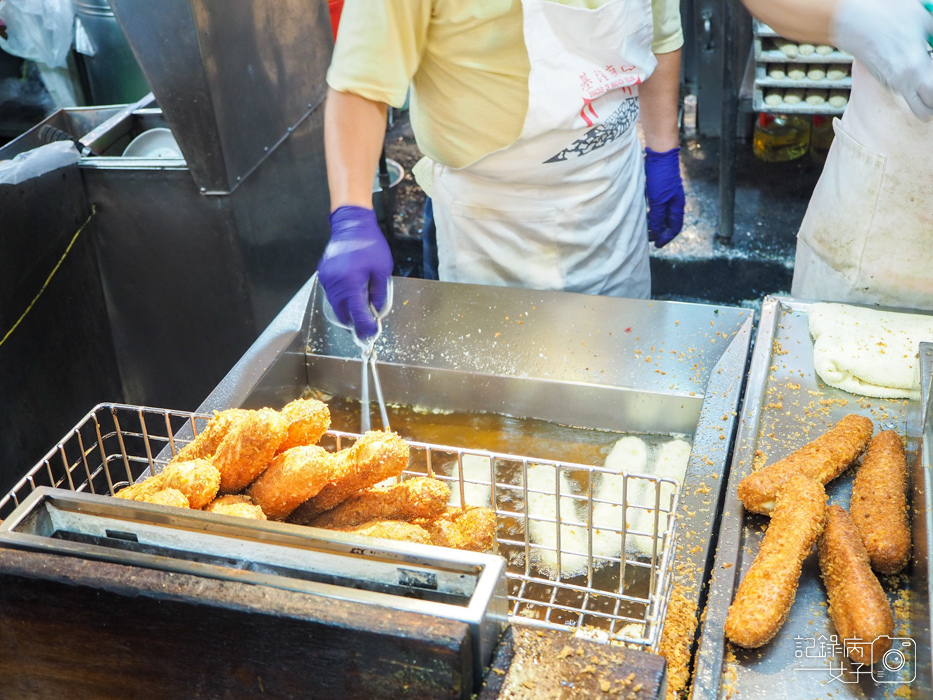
(461, 59)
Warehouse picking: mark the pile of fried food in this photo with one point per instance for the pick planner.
(873, 536)
(266, 464)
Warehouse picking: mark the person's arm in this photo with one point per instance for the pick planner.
(354, 134)
(660, 103)
(806, 21)
(659, 96)
(357, 262)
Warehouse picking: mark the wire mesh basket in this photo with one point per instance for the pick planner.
(587, 549)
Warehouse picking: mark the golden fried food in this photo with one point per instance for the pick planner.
(767, 592)
(247, 448)
(167, 497)
(822, 459)
(419, 497)
(390, 530)
(857, 604)
(238, 504)
(879, 503)
(207, 441)
(308, 420)
(197, 479)
(292, 478)
(376, 456)
(472, 528)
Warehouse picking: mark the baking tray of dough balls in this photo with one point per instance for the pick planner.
(796, 100)
(779, 50)
(826, 76)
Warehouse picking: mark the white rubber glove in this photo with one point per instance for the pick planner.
(890, 38)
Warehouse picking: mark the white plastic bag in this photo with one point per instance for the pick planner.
(38, 30)
(38, 161)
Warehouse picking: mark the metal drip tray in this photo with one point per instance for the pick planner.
(457, 585)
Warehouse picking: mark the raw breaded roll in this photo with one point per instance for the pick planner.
(391, 530)
(472, 528)
(197, 479)
(767, 592)
(377, 455)
(308, 420)
(879, 503)
(822, 459)
(419, 497)
(857, 604)
(248, 447)
(206, 442)
(291, 479)
(167, 497)
(238, 504)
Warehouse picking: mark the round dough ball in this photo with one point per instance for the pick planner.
(824, 49)
(837, 72)
(806, 49)
(817, 98)
(773, 98)
(838, 98)
(816, 72)
(788, 48)
(776, 72)
(793, 96)
(797, 73)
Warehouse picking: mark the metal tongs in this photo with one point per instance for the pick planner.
(367, 348)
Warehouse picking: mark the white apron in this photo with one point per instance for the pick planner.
(563, 207)
(867, 236)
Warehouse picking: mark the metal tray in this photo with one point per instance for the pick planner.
(785, 406)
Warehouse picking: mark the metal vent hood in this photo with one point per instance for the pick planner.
(233, 77)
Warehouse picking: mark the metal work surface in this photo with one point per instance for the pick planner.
(787, 405)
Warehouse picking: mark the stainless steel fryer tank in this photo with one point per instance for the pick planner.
(578, 360)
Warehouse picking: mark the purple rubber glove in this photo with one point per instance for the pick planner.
(356, 267)
(665, 192)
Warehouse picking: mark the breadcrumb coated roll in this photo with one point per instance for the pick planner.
(197, 479)
(207, 441)
(419, 497)
(879, 503)
(472, 528)
(767, 592)
(822, 459)
(376, 456)
(247, 448)
(238, 504)
(391, 530)
(291, 479)
(857, 604)
(308, 420)
(167, 497)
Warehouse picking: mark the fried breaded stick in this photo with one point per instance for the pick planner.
(879, 503)
(167, 497)
(291, 479)
(857, 604)
(822, 459)
(767, 592)
(197, 479)
(248, 447)
(308, 420)
(419, 497)
(391, 530)
(238, 504)
(377, 455)
(205, 443)
(472, 528)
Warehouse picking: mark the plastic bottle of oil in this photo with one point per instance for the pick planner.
(821, 137)
(781, 137)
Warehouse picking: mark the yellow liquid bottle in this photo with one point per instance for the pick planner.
(781, 137)
(821, 137)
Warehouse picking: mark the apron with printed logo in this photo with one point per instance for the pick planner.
(563, 207)
(867, 236)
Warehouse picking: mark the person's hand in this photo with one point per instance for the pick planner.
(356, 267)
(890, 38)
(665, 192)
